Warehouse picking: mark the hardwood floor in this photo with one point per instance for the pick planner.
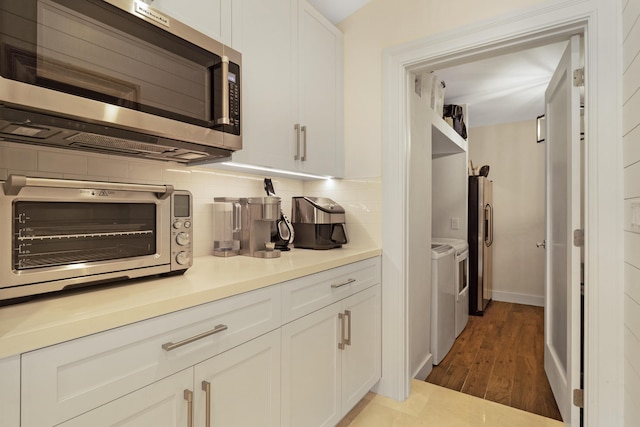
(500, 357)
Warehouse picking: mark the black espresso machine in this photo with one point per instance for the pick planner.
(319, 223)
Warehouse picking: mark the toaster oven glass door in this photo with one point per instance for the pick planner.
(97, 51)
(48, 234)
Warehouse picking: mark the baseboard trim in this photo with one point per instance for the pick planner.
(536, 300)
(425, 368)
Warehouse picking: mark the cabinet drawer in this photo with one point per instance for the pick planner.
(305, 295)
(65, 380)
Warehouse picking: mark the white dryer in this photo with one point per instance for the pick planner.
(443, 301)
(461, 279)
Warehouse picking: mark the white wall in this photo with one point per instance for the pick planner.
(631, 159)
(449, 196)
(361, 198)
(385, 23)
(517, 169)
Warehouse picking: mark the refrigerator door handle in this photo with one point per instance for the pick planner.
(488, 230)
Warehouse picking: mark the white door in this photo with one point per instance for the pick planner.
(163, 403)
(320, 93)
(311, 369)
(562, 277)
(361, 366)
(241, 386)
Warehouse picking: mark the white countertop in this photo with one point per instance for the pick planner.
(65, 316)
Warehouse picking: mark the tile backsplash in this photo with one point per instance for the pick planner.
(361, 198)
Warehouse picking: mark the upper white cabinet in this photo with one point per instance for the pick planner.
(292, 86)
(210, 17)
(265, 34)
(320, 94)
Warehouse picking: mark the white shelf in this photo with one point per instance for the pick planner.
(445, 141)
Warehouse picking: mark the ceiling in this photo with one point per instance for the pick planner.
(503, 89)
(336, 10)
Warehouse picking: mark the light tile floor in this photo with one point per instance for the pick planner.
(432, 405)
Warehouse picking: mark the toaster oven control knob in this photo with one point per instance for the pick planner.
(182, 258)
(177, 224)
(183, 239)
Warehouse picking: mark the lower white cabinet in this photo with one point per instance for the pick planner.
(299, 353)
(243, 383)
(330, 359)
(10, 391)
(240, 387)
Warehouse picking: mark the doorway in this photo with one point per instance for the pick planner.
(603, 244)
(503, 95)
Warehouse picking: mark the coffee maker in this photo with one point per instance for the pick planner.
(319, 223)
(227, 224)
(258, 216)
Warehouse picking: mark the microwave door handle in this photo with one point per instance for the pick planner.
(15, 183)
(223, 118)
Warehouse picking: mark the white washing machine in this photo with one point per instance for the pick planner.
(461, 279)
(443, 301)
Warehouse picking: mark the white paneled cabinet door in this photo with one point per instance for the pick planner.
(10, 391)
(164, 403)
(266, 34)
(320, 94)
(210, 17)
(361, 364)
(240, 387)
(310, 370)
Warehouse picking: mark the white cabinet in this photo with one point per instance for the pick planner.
(320, 94)
(161, 404)
(10, 391)
(330, 359)
(244, 385)
(268, 357)
(292, 86)
(265, 33)
(210, 17)
(63, 381)
(241, 387)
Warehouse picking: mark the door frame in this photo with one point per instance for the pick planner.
(548, 22)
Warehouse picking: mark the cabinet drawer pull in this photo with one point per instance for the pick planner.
(188, 396)
(341, 343)
(206, 387)
(339, 285)
(170, 346)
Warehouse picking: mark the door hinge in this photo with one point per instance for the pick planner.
(578, 77)
(578, 238)
(578, 397)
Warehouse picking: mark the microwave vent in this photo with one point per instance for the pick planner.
(92, 140)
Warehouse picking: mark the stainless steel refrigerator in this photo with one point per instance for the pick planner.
(480, 243)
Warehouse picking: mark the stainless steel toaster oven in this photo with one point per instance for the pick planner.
(59, 234)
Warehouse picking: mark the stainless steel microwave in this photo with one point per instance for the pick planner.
(116, 77)
(58, 234)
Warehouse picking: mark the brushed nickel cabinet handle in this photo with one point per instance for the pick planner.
(297, 129)
(339, 285)
(341, 343)
(170, 345)
(347, 314)
(206, 387)
(304, 143)
(188, 396)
